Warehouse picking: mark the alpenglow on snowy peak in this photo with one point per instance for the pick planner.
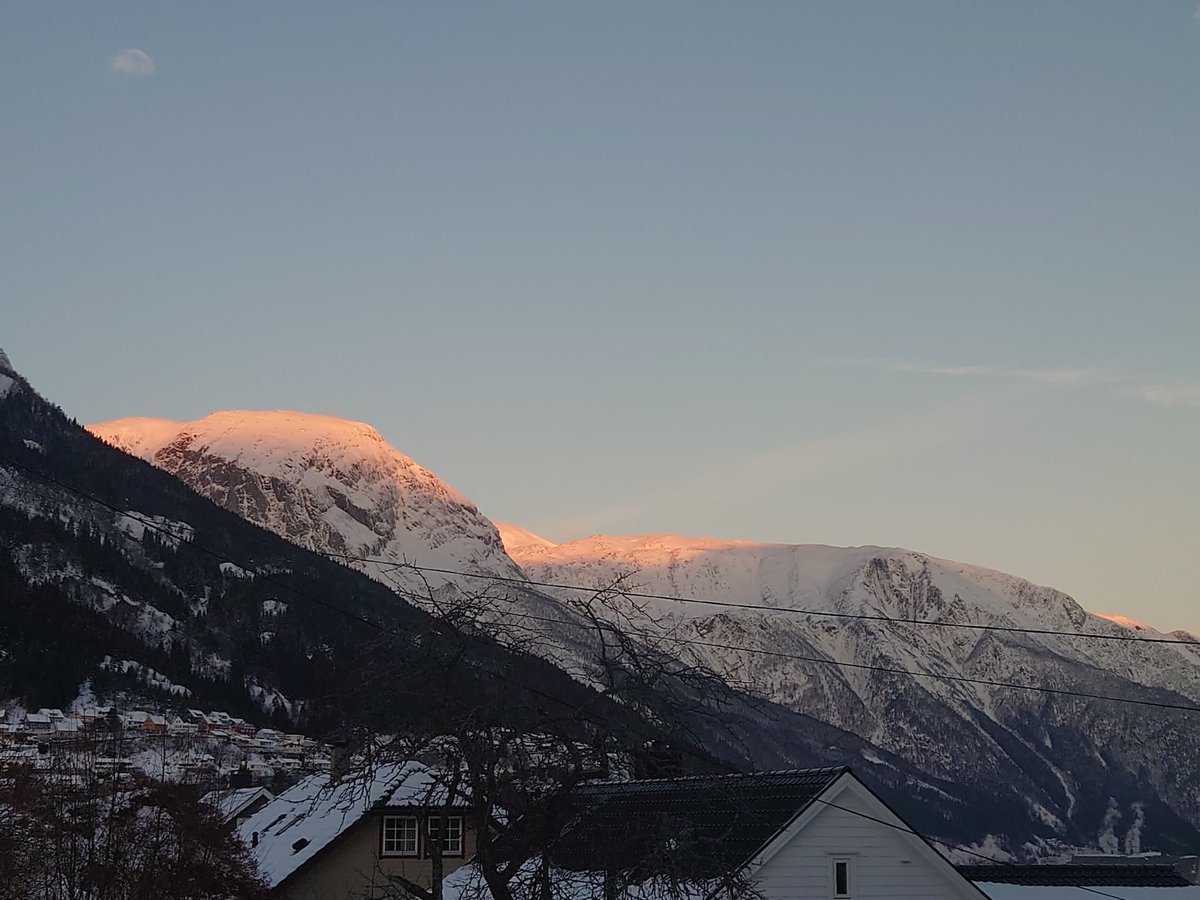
(908, 703)
(325, 483)
(772, 582)
(1051, 754)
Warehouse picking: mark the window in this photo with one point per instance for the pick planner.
(452, 838)
(841, 878)
(399, 836)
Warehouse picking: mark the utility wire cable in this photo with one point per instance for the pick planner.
(731, 604)
(379, 626)
(297, 592)
(842, 664)
(155, 526)
(383, 628)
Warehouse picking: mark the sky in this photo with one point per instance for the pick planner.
(920, 274)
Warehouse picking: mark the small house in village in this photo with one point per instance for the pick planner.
(360, 837)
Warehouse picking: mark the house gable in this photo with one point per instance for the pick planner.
(354, 866)
(885, 859)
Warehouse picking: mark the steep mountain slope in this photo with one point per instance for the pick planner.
(990, 759)
(336, 487)
(1061, 756)
(118, 580)
(321, 482)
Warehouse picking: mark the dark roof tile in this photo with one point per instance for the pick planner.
(703, 826)
(1078, 875)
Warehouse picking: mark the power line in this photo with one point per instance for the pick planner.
(577, 707)
(758, 651)
(731, 604)
(220, 557)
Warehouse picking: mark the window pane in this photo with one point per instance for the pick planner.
(841, 878)
(399, 835)
(452, 843)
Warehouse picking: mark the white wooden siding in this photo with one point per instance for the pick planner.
(886, 865)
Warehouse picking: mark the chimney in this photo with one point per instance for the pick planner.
(339, 761)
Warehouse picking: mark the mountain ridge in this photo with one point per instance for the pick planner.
(357, 496)
(913, 694)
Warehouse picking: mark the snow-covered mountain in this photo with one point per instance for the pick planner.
(1058, 749)
(336, 487)
(120, 584)
(1039, 763)
(785, 579)
(327, 484)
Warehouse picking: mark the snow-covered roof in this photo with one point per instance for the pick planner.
(233, 801)
(305, 819)
(467, 883)
(1043, 892)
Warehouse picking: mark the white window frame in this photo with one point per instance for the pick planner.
(452, 842)
(403, 839)
(848, 862)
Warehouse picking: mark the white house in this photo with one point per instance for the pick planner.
(810, 834)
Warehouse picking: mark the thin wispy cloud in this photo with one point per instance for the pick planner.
(1180, 395)
(1044, 376)
(1183, 395)
(137, 63)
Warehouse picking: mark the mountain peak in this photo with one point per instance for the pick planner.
(231, 433)
(517, 539)
(330, 484)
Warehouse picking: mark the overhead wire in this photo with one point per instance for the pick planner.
(295, 591)
(784, 610)
(761, 651)
(157, 527)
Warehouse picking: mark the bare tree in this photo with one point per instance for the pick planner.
(79, 827)
(513, 757)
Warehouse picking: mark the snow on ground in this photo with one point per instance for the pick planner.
(466, 883)
(234, 571)
(144, 673)
(134, 524)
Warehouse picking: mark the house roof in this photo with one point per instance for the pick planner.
(700, 827)
(296, 826)
(233, 802)
(1078, 875)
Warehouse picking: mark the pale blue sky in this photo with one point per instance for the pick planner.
(923, 274)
